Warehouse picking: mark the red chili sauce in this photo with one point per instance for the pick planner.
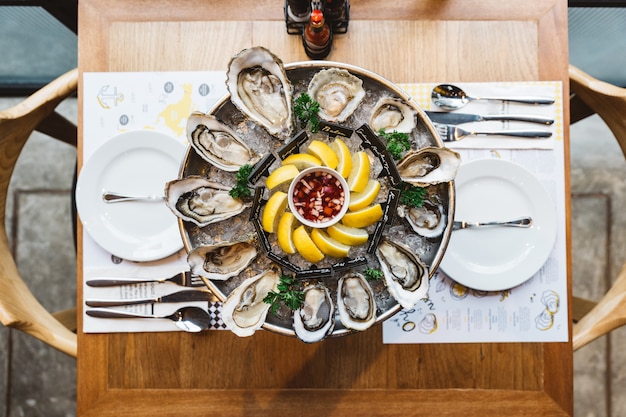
(318, 197)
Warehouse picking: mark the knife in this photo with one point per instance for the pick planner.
(458, 118)
(177, 297)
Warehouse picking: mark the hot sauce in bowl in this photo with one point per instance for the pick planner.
(318, 197)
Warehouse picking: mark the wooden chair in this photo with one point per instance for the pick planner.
(18, 306)
(609, 102)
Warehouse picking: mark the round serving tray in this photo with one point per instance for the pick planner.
(430, 250)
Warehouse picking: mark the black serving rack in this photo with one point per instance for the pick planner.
(338, 21)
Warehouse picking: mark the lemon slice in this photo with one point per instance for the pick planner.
(363, 217)
(348, 235)
(344, 166)
(284, 232)
(274, 208)
(305, 245)
(328, 245)
(363, 199)
(281, 175)
(302, 161)
(324, 152)
(360, 172)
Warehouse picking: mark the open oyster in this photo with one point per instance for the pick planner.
(244, 311)
(222, 260)
(316, 318)
(405, 274)
(338, 93)
(429, 165)
(428, 220)
(355, 302)
(259, 87)
(218, 144)
(198, 200)
(392, 114)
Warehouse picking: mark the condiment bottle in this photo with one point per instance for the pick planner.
(299, 10)
(335, 10)
(317, 37)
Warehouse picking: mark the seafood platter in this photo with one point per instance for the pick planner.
(328, 217)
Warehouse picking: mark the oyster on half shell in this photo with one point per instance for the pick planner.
(222, 260)
(218, 144)
(428, 220)
(406, 276)
(392, 114)
(198, 200)
(429, 165)
(259, 88)
(316, 318)
(355, 302)
(244, 310)
(338, 93)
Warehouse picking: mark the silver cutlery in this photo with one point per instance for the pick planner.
(190, 319)
(184, 279)
(111, 197)
(177, 297)
(451, 97)
(521, 222)
(450, 133)
(458, 118)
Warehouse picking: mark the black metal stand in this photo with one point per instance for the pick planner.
(338, 24)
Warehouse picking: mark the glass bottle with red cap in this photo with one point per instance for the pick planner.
(317, 36)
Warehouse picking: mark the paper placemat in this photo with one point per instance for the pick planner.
(161, 101)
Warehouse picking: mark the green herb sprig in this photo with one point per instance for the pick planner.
(373, 274)
(241, 189)
(397, 143)
(306, 110)
(287, 293)
(411, 195)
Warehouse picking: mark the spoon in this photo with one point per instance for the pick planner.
(190, 319)
(451, 97)
(110, 197)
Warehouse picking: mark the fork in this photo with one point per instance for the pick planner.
(184, 279)
(450, 133)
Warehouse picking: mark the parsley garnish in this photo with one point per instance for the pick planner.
(411, 196)
(373, 274)
(287, 293)
(241, 190)
(306, 111)
(397, 143)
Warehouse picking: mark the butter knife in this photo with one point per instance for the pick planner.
(177, 297)
(452, 118)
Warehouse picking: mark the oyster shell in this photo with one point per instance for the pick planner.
(429, 165)
(244, 311)
(198, 200)
(355, 302)
(428, 220)
(259, 87)
(405, 274)
(316, 318)
(218, 144)
(392, 114)
(223, 260)
(338, 93)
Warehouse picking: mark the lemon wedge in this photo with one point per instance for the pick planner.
(274, 208)
(281, 175)
(302, 161)
(344, 166)
(363, 217)
(324, 152)
(284, 232)
(305, 245)
(328, 245)
(363, 199)
(360, 172)
(351, 236)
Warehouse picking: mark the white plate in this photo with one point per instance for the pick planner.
(133, 163)
(498, 258)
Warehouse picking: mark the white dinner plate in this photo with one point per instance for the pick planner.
(499, 258)
(133, 163)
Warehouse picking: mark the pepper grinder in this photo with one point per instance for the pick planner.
(317, 37)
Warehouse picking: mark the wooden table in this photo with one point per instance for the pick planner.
(217, 373)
